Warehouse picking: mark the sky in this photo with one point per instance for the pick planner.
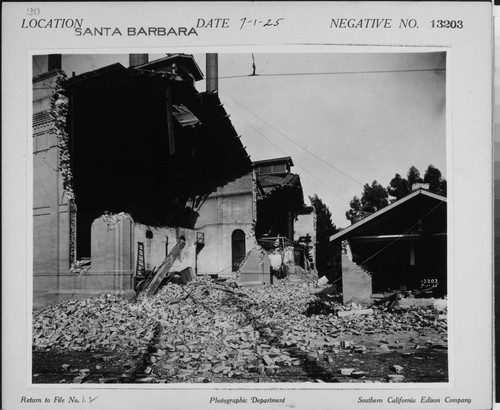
(345, 119)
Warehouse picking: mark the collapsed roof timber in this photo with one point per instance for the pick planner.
(154, 141)
(146, 162)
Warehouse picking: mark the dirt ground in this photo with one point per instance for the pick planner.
(281, 333)
(422, 362)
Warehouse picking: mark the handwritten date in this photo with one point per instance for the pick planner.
(245, 22)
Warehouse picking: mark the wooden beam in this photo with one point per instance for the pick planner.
(156, 278)
(411, 236)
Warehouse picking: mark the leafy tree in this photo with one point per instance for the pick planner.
(373, 198)
(413, 176)
(398, 187)
(324, 229)
(434, 178)
(354, 210)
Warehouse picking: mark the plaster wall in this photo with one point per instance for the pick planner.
(163, 240)
(228, 208)
(51, 228)
(356, 282)
(256, 269)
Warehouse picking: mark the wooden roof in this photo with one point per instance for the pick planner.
(401, 217)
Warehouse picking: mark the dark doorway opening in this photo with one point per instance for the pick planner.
(238, 250)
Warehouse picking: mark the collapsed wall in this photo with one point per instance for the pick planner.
(158, 242)
(115, 141)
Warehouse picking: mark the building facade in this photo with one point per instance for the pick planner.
(127, 162)
(401, 248)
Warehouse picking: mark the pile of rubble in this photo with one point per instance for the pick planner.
(205, 329)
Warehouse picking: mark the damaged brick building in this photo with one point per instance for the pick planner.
(130, 162)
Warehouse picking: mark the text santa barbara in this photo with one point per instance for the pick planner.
(81, 30)
(136, 31)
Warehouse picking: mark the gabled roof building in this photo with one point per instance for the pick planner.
(279, 197)
(402, 247)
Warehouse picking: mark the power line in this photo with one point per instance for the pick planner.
(400, 237)
(395, 240)
(416, 70)
(296, 143)
(285, 153)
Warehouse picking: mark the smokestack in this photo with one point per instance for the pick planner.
(137, 59)
(54, 62)
(212, 72)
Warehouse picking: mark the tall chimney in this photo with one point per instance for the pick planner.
(212, 72)
(137, 59)
(54, 62)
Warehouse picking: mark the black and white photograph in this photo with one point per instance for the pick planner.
(209, 205)
(240, 218)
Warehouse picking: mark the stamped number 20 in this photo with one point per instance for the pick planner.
(32, 11)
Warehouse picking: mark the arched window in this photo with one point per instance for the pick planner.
(237, 248)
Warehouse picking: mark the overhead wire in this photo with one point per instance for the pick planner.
(393, 242)
(308, 74)
(281, 150)
(388, 245)
(416, 70)
(296, 143)
(401, 236)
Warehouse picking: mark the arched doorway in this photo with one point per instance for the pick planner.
(238, 250)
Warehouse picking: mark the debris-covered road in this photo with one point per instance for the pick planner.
(207, 332)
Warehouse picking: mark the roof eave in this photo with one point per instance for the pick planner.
(198, 74)
(287, 160)
(351, 228)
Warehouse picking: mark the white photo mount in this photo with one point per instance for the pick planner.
(460, 30)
